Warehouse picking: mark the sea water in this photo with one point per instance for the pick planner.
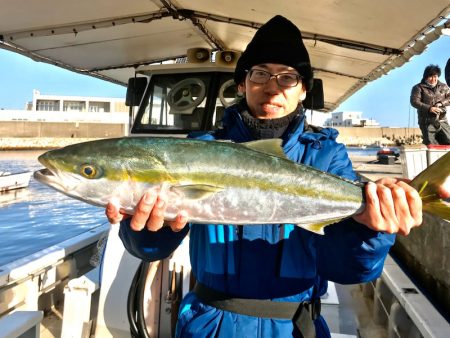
(34, 218)
(359, 151)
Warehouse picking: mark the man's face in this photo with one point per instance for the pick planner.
(432, 80)
(270, 100)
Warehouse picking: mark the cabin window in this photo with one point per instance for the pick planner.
(181, 103)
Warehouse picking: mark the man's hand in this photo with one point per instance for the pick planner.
(392, 206)
(149, 213)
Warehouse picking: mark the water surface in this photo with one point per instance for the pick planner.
(37, 217)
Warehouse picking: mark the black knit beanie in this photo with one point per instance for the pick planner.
(277, 41)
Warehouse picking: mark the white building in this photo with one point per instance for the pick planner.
(59, 108)
(317, 118)
(76, 103)
(349, 119)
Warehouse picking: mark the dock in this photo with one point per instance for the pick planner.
(370, 169)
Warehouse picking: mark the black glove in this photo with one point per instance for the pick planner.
(441, 109)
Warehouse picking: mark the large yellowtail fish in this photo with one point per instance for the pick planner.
(217, 182)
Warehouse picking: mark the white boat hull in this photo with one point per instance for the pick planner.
(10, 181)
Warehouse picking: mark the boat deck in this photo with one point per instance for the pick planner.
(369, 168)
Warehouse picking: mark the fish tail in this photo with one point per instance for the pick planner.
(430, 182)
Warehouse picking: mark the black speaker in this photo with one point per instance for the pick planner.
(314, 98)
(135, 90)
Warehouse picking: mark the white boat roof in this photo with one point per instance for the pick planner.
(350, 42)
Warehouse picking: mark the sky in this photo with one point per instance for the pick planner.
(20, 75)
(386, 99)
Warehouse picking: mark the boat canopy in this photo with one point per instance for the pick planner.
(351, 42)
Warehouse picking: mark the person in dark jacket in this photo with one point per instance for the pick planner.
(431, 97)
(272, 276)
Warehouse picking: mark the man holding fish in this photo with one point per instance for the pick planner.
(272, 275)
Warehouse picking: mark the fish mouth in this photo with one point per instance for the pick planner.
(42, 174)
(46, 176)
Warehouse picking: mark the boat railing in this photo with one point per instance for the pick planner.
(21, 324)
(402, 308)
(25, 280)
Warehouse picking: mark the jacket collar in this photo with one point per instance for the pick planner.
(298, 131)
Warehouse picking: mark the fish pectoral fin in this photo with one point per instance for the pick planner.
(318, 227)
(269, 146)
(197, 191)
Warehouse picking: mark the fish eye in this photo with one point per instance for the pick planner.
(89, 171)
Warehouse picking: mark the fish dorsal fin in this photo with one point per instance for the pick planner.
(197, 191)
(270, 146)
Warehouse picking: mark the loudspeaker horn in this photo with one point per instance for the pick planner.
(198, 55)
(227, 57)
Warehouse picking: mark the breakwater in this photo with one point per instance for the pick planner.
(30, 143)
(72, 129)
(378, 136)
(43, 135)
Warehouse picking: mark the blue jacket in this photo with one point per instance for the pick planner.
(281, 262)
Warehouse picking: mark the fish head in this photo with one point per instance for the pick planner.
(91, 173)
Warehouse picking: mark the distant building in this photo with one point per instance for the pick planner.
(59, 108)
(349, 119)
(76, 104)
(316, 118)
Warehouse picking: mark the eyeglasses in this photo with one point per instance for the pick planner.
(283, 79)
